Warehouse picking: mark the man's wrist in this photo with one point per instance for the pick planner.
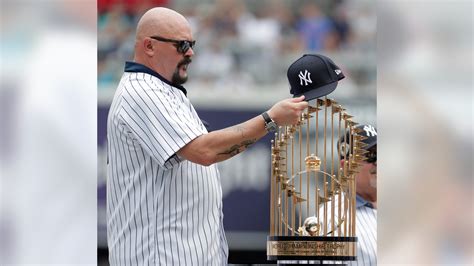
(270, 124)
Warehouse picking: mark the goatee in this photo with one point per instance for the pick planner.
(176, 79)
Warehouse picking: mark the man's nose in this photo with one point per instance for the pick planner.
(189, 52)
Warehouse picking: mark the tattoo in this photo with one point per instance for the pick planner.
(238, 148)
(247, 143)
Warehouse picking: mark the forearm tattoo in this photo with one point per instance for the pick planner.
(238, 148)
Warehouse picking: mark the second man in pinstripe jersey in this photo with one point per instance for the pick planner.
(164, 198)
(366, 201)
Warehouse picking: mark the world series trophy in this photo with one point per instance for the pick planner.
(312, 200)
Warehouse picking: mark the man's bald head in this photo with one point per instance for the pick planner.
(158, 44)
(163, 22)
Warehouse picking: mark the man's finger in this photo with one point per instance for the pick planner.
(297, 99)
(301, 105)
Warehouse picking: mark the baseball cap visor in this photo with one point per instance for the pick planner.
(371, 142)
(318, 92)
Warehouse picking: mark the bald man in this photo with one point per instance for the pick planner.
(164, 197)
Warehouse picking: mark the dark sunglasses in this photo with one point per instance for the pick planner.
(371, 156)
(182, 46)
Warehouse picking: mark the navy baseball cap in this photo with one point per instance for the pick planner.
(314, 76)
(368, 131)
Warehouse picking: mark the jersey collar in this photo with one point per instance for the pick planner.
(362, 202)
(136, 67)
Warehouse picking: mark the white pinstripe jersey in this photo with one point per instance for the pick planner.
(161, 209)
(366, 232)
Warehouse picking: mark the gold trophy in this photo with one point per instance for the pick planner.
(312, 201)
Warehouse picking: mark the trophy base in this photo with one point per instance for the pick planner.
(294, 248)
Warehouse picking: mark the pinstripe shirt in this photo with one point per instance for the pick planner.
(161, 209)
(366, 231)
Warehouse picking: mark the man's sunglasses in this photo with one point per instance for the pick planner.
(371, 156)
(182, 46)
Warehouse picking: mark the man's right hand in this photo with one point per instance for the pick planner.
(288, 112)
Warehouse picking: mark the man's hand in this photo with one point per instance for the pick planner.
(288, 112)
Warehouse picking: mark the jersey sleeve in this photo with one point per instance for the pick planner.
(158, 120)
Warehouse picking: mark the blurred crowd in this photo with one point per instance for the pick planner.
(248, 42)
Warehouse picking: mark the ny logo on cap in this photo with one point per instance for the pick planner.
(338, 71)
(306, 77)
(370, 131)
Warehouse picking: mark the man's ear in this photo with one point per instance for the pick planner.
(148, 47)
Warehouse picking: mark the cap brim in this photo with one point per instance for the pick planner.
(318, 92)
(372, 143)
